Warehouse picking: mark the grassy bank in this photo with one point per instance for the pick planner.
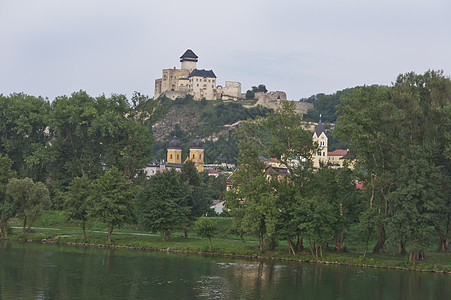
(53, 227)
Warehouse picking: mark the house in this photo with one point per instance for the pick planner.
(335, 158)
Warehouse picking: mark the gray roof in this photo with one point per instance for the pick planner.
(320, 128)
(188, 55)
(202, 73)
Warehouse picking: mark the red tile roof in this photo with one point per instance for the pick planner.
(338, 152)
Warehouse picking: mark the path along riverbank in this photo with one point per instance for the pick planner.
(233, 248)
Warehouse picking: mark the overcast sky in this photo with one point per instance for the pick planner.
(51, 48)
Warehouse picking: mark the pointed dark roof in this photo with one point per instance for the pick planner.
(202, 73)
(188, 55)
(320, 128)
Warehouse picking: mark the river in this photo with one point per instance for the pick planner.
(39, 271)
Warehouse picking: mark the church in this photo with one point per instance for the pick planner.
(174, 157)
(200, 83)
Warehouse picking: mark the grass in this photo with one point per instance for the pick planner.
(53, 226)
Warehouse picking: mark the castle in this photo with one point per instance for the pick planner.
(201, 84)
(177, 83)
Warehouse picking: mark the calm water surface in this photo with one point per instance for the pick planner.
(37, 271)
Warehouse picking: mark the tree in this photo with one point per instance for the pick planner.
(78, 200)
(75, 148)
(365, 123)
(421, 137)
(252, 199)
(198, 199)
(250, 94)
(205, 228)
(30, 197)
(8, 208)
(112, 199)
(23, 123)
(401, 136)
(162, 203)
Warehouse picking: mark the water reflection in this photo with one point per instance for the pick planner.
(36, 271)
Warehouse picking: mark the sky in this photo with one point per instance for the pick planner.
(51, 48)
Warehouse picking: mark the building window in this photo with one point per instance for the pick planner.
(178, 156)
(170, 157)
(200, 156)
(193, 156)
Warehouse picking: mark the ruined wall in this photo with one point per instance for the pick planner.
(272, 100)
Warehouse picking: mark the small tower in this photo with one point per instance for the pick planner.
(196, 154)
(174, 151)
(188, 60)
(320, 138)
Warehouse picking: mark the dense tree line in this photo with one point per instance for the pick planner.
(401, 138)
(85, 155)
(71, 137)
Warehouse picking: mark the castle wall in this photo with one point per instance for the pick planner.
(272, 100)
(232, 89)
(202, 87)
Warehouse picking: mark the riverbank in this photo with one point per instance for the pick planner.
(228, 247)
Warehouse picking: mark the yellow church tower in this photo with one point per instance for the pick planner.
(196, 154)
(174, 151)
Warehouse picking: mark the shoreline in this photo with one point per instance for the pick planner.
(230, 255)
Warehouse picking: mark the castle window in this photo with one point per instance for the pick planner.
(197, 84)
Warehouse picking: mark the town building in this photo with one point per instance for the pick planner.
(174, 157)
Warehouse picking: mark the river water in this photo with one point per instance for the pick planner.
(38, 271)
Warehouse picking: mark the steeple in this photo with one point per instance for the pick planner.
(196, 154)
(319, 128)
(174, 151)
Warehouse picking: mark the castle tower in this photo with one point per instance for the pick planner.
(188, 60)
(174, 151)
(196, 154)
(320, 138)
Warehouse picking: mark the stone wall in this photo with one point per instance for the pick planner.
(272, 100)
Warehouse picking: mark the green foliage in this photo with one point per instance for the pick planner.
(112, 202)
(23, 122)
(88, 132)
(401, 135)
(8, 208)
(250, 94)
(326, 105)
(30, 198)
(162, 204)
(79, 200)
(211, 117)
(205, 228)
